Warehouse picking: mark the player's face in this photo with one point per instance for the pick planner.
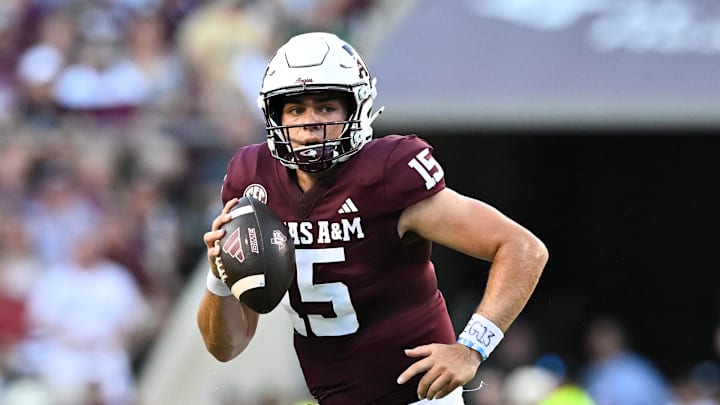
(311, 109)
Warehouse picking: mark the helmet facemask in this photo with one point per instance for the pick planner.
(317, 157)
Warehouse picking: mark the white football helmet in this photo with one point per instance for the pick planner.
(318, 62)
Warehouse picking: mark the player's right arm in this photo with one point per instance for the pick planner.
(226, 324)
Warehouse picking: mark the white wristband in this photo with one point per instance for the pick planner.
(481, 335)
(216, 286)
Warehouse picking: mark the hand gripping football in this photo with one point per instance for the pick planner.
(257, 257)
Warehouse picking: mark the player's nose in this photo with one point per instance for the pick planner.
(310, 117)
(312, 125)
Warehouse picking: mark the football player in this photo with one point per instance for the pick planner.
(371, 326)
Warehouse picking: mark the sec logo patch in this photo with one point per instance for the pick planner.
(256, 191)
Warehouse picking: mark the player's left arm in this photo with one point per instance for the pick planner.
(479, 230)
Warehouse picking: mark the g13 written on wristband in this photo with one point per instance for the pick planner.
(479, 332)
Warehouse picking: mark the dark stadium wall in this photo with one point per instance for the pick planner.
(630, 219)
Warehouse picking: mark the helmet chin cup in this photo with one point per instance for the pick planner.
(319, 62)
(316, 158)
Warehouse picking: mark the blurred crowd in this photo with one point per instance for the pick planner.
(116, 120)
(608, 370)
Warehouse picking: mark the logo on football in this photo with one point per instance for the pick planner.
(256, 261)
(233, 246)
(278, 239)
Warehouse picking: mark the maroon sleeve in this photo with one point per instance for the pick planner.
(241, 167)
(229, 191)
(411, 172)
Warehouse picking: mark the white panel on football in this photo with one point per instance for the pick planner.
(244, 210)
(248, 283)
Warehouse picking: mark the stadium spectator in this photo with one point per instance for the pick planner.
(568, 391)
(40, 65)
(102, 81)
(58, 212)
(19, 268)
(85, 318)
(150, 52)
(615, 374)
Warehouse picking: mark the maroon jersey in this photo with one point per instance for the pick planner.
(361, 294)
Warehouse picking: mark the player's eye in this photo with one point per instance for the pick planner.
(293, 110)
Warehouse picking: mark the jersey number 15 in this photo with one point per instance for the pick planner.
(337, 294)
(426, 165)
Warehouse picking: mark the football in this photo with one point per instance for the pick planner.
(257, 256)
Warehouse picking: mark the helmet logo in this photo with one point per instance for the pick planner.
(362, 70)
(300, 80)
